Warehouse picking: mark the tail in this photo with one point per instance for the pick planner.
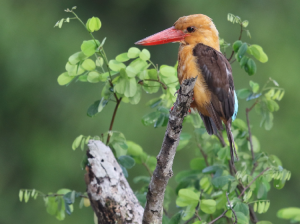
(231, 141)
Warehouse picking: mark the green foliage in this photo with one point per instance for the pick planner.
(292, 214)
(59, 203)
(209, 187)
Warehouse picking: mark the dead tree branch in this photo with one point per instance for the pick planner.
(163, 171)
(109, 192)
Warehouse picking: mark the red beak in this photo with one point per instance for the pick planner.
(166, 36)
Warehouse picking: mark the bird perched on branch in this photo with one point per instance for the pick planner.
(199, 55)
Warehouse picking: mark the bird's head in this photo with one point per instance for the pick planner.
(188, 30)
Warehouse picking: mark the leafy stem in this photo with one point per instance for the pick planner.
(250, 134)
(240, 37)
(262, 172)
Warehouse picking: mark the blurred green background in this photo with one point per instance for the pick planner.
(39, 119)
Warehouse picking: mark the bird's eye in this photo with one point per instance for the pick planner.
(190, 29)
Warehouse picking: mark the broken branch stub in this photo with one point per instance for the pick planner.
(111, 197)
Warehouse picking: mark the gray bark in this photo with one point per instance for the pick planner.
(163, 171)
(109, 192)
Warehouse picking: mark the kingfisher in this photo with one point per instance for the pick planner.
(199, 56)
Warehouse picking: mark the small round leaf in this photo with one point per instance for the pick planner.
(64, 79)
(89, 64)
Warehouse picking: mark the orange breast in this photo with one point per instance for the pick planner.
(188, 68)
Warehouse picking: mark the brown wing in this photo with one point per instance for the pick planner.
(217, 73)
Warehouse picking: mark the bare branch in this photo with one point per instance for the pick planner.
(163, 171)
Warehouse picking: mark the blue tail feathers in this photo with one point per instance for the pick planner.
(236, 107)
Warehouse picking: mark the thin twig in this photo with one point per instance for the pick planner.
(113, 118)
(155, 80)
(250, 135)
(219, 217)
(166, 213)
(262, 172)
(203, 154)
(147, 168)
(229, 204)
(232, 53)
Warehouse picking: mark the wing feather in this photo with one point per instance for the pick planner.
(217, 74)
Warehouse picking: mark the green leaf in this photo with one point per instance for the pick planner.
(131, 72)
(64, 79)
(208, 206)
(88, 64)
(187, 197)
(143, 179)
(221, 181)
(93, 24)
(254, 86)
(279, 184)
(93, 77)
(242, 50)
(242, 219)
(88, 47)
(21, 195)
(187, 175)
(104, 76)
(184, 140)
(244, 61)
(239, 124)
(272, 105)
(236, 45)
(77, 57)
(242, 207)
(93, 109)
(76, 142)
(134, 149)
(292, 213)
(258, 53)
(175, 218)
(269, 121)
(260, 208)
(83, 78)
(245, 23)
(126, 161)
(150, 86)
(167, 71)
(74, 70)
(99, 62)
(139, 65)
(197, 164)
(145, 55)
(196, 120)
(122, 57)
(189, 212)
(211, 169)
(250, 67)
(281, 96)
(243, 93)
(133, 52)
(103, 102)
(125, 85)
(124, 170)
(116, 65)
(150, 118)
(255, 143)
